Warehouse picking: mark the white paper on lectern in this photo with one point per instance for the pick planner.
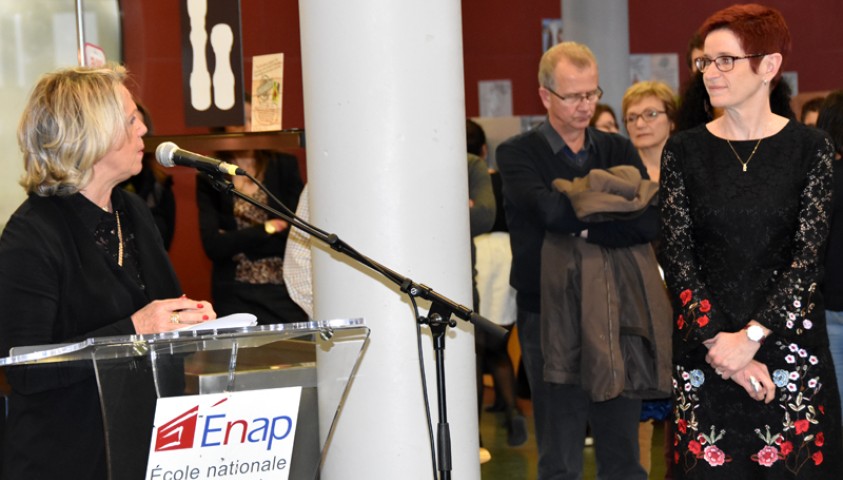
(235, 320)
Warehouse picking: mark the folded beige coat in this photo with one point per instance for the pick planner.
(616, 193)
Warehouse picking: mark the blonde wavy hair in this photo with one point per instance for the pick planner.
(73, 117)
(650, 88)
(578, 54)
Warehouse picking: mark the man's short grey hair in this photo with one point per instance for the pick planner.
(577, 53)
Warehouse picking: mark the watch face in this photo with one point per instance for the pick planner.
(755, 333)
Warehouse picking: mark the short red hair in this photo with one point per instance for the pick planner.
(759, 29)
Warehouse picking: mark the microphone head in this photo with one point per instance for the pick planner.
(164, 154)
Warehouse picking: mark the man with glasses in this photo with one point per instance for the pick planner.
(565, 147)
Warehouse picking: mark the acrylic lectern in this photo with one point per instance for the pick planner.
(135, 372)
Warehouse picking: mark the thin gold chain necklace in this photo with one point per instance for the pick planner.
(744, 164)
(119, 240)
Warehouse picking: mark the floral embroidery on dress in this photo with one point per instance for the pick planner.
(797, 313)
(695, 313)
(797, 442)
(701, 445)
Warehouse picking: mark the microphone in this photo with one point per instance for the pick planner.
(169, 154)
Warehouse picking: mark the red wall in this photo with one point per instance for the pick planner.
(501, 40)
(152, 53)
(658, 26)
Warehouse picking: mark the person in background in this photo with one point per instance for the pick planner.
(298, 272)
(493, 261)
(694, 51)
(604, 119)
(80, 258)
(245, 243)
(156, 187)
(694, 108)
(810, 111)
(830, 120)
(648, 111)
(481, 213)
(745, 202)
(564, 147)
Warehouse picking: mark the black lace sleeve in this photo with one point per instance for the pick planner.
(694, 313)
(790, 302)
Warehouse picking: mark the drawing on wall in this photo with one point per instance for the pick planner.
(655, 66)
(792, 79)
(200, 77)
(267, 91)
(212, 63)
(495, 98)
(551, 32)
(222, 39)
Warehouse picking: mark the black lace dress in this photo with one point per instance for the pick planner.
(747, 245)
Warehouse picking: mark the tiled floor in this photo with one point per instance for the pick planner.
(518, 463)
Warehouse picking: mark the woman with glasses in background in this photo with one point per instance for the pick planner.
(648, 112)
(745, 205)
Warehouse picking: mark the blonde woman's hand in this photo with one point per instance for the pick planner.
(172, 314)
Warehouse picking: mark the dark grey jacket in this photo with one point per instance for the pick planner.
(605, 319)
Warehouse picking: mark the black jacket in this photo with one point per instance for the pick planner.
(58, 286)
(528, 166)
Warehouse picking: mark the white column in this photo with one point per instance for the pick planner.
(385, 126)
(603, 25)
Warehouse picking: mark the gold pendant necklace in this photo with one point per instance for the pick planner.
(119, 240)
(744, 164)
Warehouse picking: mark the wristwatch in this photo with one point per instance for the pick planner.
(755, 333)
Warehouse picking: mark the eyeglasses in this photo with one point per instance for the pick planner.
(648, 116)
(575, 98)
(724, 63)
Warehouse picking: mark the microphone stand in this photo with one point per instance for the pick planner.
(438, 319)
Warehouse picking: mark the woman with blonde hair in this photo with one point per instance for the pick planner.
(80, 258)
(648, 112)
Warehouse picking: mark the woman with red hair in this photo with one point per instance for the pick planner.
(746, 200)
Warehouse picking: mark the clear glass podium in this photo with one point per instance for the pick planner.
(134, 371)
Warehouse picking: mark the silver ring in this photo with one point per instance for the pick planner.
(174, 318)
(718, 372)
(756, 385)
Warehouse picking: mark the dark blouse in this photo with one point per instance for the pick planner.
(243, 252)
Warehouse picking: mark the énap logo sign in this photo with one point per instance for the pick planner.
(178, 433)
(242, 435)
